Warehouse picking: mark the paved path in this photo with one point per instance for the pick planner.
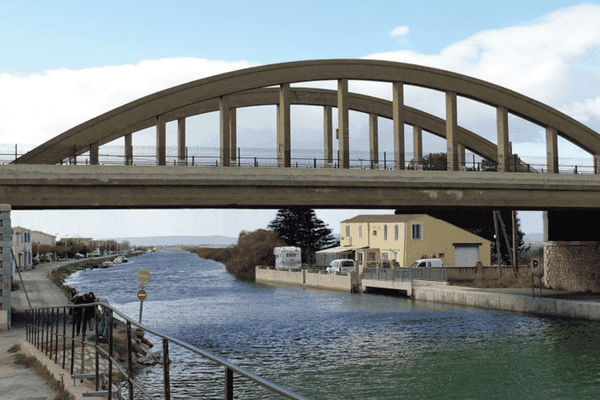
(17, 382)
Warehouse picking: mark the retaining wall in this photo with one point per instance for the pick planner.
(468, 273)
(507, 302)
(329, 281)
(305, 278)
(573, 266)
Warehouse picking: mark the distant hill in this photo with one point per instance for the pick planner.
(209, 241)
(534, 237)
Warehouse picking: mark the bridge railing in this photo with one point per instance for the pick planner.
(260, 161)
(406, 274)
(47, 329)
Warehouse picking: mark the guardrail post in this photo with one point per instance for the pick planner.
(228, 384)
(72, 339)
(57, 328)
(166, 368)
(129, 361)
(96, 348)
(64, 337)
(110, 354)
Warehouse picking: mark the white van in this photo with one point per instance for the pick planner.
(427, 262)
(343, 266)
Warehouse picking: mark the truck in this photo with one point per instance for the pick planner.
(288, 257)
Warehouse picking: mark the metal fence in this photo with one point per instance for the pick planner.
(406, 274)
(47, 330)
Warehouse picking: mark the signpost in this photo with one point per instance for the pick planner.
(143, 277)
(535, 264)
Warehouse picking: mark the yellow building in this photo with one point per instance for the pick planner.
(402, 239)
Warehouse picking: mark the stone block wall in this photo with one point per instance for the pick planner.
(573, 266)
(5, 265)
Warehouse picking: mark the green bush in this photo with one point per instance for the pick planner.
(253, 248)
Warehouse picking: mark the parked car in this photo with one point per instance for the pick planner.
(343, 266)
(427, 262)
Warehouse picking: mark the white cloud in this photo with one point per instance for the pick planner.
(539, 60)
(37, 107)
(400, 31)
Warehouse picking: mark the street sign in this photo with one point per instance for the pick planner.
(143, 276)
(142, 295)
(535, 264)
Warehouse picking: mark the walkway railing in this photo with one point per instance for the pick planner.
(47, 330)
(406, 274)
(212, 159)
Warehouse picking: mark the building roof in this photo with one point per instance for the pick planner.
(371, 218)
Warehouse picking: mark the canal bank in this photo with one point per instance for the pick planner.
(553, 303)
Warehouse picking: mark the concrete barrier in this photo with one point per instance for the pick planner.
(329, 281)
(509, 302)
(305, 278)
(277, 275)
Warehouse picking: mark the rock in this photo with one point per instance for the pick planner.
(151, 358)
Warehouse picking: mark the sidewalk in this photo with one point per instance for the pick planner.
(18, 382)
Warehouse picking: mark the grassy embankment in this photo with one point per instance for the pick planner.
(59, 275)
(252, 249)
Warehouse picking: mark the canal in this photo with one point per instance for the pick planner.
(330, 345)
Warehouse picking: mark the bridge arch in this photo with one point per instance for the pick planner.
(253, 85)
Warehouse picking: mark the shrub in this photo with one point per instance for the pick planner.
(253, 248)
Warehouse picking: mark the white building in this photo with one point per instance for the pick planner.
(22, 248)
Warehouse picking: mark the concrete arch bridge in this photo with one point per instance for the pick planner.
(28, 185)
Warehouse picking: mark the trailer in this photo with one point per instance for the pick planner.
(288, 257)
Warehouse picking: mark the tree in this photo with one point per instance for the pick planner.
(435, 162)
(300, 227)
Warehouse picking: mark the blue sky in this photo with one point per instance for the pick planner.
(64, 62)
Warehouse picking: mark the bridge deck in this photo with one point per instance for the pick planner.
(89, 187)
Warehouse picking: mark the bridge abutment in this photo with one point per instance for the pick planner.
(5, 266)
(572, 250)
(573, 266)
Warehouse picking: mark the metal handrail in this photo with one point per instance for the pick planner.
(406, 274)
(44, 337)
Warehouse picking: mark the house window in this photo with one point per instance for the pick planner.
(385, 232)
(347, 230)
(374, 233)
(360, 231)
(417, 231)
(442, 255)
(396, 232)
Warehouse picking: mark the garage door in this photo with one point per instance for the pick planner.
(466, 256)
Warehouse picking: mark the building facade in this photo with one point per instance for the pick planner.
(42, 238)
(22, 248)
(402, 239)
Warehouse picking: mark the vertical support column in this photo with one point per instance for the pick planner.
(94, 154)
(161, 140)
(462, 162)
(328, 134)
(233, 133)
(181, 141)
(343, 122)
(6, 266)
(552, 150)
(398, 114)
(451, 131)
(284, 127)
(128, 149)
(417, 145)
(374, 138)
(596, 164)
(503, 140)
(224, 137)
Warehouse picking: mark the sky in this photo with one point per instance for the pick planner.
(64, 62)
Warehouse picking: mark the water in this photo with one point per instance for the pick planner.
(330, 345)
